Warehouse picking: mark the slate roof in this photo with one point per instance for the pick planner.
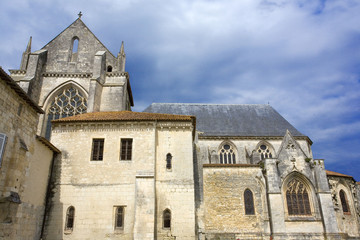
(123, 116)
(231, 119)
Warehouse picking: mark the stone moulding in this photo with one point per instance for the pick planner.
(72, 75)
(218, 165)
(17, 72)
(251, 137)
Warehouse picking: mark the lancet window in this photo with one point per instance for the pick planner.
(249, 202)
(227, 154)
(297, 198)
(264, 151)
(344, 202)
(68, 102)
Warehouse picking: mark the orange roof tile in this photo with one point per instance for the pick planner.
(124, 116)
(331, 173)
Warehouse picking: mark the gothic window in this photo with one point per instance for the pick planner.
(3, 138)
(97, 149)
(68, 102)
(119, 217)
(264, 151)
(109, 68)
(167, 219)
(297, 198)
(126, 149)
(344, 202)
(168, 161)
(227, 154)
(249, 202)
(70, 217)
(74, 49)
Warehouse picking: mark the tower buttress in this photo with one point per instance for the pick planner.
(121, 58)
(25, 56)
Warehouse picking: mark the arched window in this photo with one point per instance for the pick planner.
(70, 217)
(168, 161)
(227, 154)
(74, 49)
(109, 68)
(297, 198)
(264, 151)
(344, 202)
(67, 103)
(167, 219)
(3, 139)
(249, 202)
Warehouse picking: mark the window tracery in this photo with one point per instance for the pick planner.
(264, 151)
(297, 198)
(68, 102)
(227, 154)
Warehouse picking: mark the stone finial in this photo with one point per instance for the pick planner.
(80, 14)
(28, 47)
(122, 51)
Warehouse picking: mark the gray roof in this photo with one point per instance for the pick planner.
(230, 119)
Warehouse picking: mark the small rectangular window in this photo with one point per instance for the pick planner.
(2, 146)
(97, 149)
(119, 217)
(126, 149)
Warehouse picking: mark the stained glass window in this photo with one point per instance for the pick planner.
(227, 155)
(297, 198)
(249, 202)
(68, 102)
(264, 151)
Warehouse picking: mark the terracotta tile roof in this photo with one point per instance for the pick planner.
(124, 116)
(331, 173)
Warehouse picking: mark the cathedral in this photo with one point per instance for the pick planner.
(77, 163)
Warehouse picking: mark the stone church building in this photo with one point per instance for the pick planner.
(77, 163)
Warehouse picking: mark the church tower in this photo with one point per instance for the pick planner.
(74, 73)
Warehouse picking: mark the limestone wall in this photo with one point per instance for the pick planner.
(141, 185)
(24, 171)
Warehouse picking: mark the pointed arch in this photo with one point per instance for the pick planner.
(249, 202)
(66, 100)
(344, 202)
(227, 153)
(265, 150)
(298, 195)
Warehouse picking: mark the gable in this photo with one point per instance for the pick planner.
(61, 47)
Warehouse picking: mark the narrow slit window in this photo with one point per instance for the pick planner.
(168, 161)
(74, 49)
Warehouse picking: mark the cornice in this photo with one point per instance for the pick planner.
(117, 74)
(17, 72)
(72, 75)
(249, 137)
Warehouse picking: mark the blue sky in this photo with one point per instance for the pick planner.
(301, 56)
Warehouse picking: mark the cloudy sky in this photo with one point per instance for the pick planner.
(300, 56)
